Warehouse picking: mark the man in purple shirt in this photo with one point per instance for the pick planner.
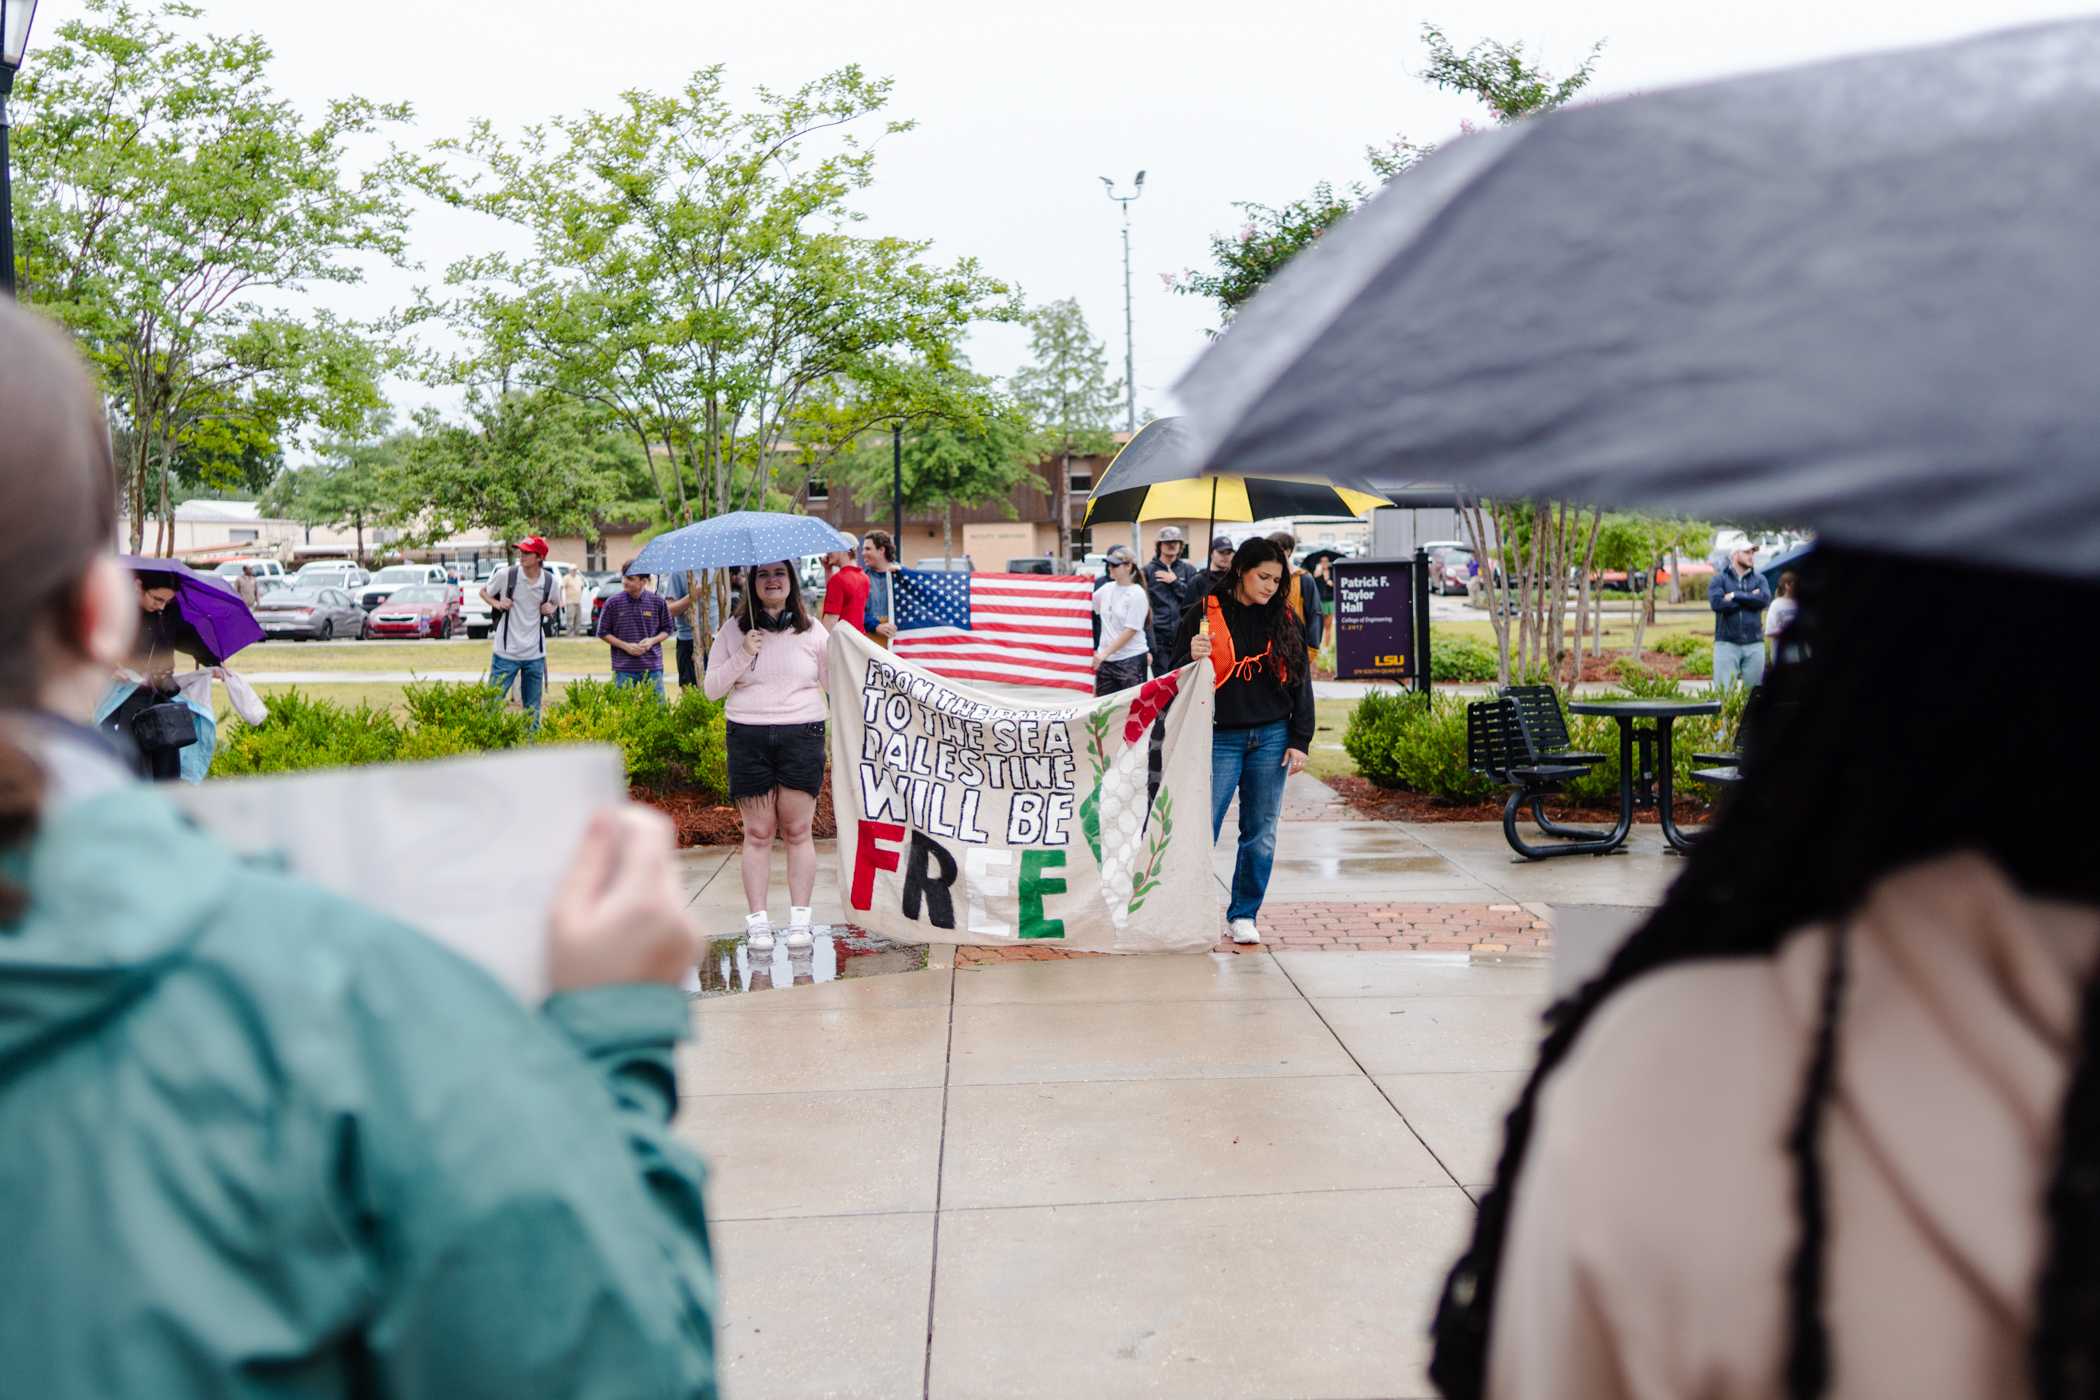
(635, 623)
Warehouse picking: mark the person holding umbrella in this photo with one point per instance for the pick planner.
(261, 1140)
(769, 664)
(1220, 564)
(1264, 718)
(1167, 578)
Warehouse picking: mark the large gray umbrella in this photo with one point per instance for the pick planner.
(1862, 296)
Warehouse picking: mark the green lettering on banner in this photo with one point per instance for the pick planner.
(1034, 885)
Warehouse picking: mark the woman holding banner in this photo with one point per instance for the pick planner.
(1264, 724)
(769, 663)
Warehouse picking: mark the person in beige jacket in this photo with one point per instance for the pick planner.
(1830, 1123)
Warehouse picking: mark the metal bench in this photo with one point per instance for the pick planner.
(1538, 706)
(1501, 746)
(1725, 770)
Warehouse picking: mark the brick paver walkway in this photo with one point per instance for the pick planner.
(1353, 927)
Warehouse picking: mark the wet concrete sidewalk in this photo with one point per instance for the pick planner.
(1200, 1176)
(1234, 1174)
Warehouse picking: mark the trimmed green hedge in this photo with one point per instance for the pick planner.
(1418, 743)
(665, 745)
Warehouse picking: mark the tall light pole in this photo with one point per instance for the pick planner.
(1129, 338)
(15, 17)
(1137, 188)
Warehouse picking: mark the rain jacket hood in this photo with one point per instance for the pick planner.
(261, 1142)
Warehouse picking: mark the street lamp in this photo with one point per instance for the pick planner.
(1137, 538)
(15, 17)
(1129, 343)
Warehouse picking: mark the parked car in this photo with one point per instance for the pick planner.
(957, 565)
(232, 569)
(393, 576)
(599, 596)
(419, 610)
(474, 613)
(1450, 566)
(310, 614)
(332, 573)
(559, 623)
(1034, 564)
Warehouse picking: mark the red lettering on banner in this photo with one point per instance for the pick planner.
(868, 857)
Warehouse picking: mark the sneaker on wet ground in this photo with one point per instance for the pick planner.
(1244, 931)
(758, 933)
(799, 937)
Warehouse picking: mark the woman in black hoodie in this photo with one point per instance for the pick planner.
(1264, 725)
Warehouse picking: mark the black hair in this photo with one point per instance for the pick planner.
(796, 611)
(1286, 635)
(1858, 766)
(882, 541)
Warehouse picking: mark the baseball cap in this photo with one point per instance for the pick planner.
(532, 544)
(1118, 554)
(1170, 534)
(1218, 542)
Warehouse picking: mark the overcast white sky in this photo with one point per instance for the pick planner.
(1021, 107)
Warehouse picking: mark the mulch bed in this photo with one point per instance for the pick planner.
(704, 819)
(1383, 804)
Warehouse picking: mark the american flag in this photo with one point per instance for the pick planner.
(1009, 629)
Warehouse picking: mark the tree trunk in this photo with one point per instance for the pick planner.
(1589, 591)
(948, 531)
(1063, 498)
(1476, 535)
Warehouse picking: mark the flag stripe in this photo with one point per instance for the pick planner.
(1015, 629)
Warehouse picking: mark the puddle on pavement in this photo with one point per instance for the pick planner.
(839, 951)
(1348, 866)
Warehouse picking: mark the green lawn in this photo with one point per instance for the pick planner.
(1618, 627)
(1333, 718)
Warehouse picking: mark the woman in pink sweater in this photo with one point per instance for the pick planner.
(1829, 1124)
(769, 662)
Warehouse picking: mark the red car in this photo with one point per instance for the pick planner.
(420, 610)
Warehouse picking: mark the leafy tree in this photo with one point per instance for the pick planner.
(522, 462)
(170, 203)
(968, 446)
(1507, 83)
(695, 272)
(351, 485)
(1066, 392)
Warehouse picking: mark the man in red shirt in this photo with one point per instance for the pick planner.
(845, 590)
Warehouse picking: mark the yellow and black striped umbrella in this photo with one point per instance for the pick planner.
(1154, 478)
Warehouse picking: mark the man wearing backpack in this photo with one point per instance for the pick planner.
(523, 596)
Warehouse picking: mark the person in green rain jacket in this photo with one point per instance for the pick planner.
(257, 1141)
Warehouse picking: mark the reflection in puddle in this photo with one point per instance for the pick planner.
(838, 951)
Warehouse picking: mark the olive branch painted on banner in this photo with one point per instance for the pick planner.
(1162, 825)
(1090, 809)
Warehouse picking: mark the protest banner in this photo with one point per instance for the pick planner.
(965, 817)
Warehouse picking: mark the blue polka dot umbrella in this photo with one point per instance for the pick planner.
(741, 537)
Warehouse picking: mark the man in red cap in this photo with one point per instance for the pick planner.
(522, 596)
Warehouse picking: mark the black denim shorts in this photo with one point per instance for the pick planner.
(767, 756)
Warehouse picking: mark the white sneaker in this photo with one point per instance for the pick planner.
(800, 937)
(759, 937)
(1244, 931)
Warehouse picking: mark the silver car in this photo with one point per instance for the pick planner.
(310, 615)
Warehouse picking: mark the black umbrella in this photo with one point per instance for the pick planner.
(1858, 296)
(1156, 477)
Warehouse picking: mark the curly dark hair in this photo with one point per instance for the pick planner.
(1286, 637)
(1856, 768)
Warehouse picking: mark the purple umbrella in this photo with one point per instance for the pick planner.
(206, 602)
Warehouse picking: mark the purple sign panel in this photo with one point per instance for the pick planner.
(1374, 620)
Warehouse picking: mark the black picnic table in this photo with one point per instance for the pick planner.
(1645, 784)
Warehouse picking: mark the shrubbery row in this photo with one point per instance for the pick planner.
(679, 744)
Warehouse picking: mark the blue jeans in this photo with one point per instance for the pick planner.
(532, 681)
(1249, 762)
(1738, 662)
(655, 678)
